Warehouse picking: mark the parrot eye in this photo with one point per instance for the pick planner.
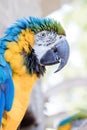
(43, 34)
(60, 36)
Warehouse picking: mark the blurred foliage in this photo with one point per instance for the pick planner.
(76, 19)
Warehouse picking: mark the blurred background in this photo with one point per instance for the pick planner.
(56, 95)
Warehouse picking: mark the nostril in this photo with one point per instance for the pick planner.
(54, 49)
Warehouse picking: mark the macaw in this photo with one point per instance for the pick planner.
(73, 122)
(27, 47)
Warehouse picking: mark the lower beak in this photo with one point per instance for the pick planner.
(59, 53)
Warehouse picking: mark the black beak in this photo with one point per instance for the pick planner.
(59, 53)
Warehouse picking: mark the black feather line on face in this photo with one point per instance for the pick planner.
(32, 63)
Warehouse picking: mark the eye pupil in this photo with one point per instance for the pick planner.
(43, 34)
(60, 37)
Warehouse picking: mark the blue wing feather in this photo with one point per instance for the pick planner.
(6, 87)
(2, 104)
(9, 93)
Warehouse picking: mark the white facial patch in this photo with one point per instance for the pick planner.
(40, 51)
(45, 40)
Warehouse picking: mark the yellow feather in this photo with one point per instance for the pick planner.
(8, 55)
(21, 37)
(16, 62)
(13, 46)
(21, 45)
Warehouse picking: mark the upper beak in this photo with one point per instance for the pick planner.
(59, 53)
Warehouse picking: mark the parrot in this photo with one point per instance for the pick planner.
(27, 47)
(73, 122)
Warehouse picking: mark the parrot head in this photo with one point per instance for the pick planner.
(53, 48)
(42, 42)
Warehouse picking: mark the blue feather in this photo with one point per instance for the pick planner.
(9, 93)
(2, 60)
(15, 30)
(6, 87)
(2, 104)
(21, 24)
(11, 38)
(36, 20)
(32, 19)
(2, 45)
